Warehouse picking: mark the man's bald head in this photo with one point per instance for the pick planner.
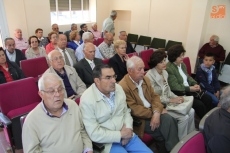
(89, 51)
(18, 33)
(108, 38)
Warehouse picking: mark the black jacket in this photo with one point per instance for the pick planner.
(19, 56)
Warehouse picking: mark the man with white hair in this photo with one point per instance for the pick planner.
(20, 42)
(106, 47)
(145, 105)
(86, 37)
(55, 124)
(108, 24)
(216, 127)
(96, 33)
(212, 47)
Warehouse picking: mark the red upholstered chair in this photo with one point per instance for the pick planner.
(192, 143)
(186, 61)
(16, 99)
(34, 67)
(132, 54)
(145, 56)
(105, 61)
(95, 42)
(99, 41)
(24, 51)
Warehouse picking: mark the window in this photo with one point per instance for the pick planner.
(70, 11)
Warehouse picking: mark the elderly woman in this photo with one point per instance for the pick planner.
(75, 40)
(34, 51)
(183, 84)
(158, 77)
(9, 71)
(118, 61)
(53, 42)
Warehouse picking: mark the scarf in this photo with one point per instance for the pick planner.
(208, 71)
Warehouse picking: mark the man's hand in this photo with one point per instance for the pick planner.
(164, 111)
(126, 133)
(155, 121)
(217, 94)
(177, 100)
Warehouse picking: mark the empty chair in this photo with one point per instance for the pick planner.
(158, 43)
(192, 143)
(17, 98)
(132, 54)
(34, 67)
(225, 70)
(186, 61)
(145, 56)
(132, 38)
(171, 43)
(144, 41)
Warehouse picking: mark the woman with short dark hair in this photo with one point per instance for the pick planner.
(183, 84)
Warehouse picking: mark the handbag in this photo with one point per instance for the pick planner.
(182, 108)
(199, 94)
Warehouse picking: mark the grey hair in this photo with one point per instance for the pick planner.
(215, 37)
(9, 38)
(130, 63)
(47, 77)
(86, 35)
(122, 31)
(113, 13)
(225, 98)
(73, 24)
(50, 54)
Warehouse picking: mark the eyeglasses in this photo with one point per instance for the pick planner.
(54, 91)
(110, 77)
(58, 58)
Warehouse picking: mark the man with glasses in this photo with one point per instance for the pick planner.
(106, 116)
(84, 28)
(55, 28)
(55, 124)
(106, 47)
(73, 84)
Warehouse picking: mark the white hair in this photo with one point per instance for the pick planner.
(94, 24)
(46, 77)
(130, 63)
(225, 98)
(86, 35)
(215, 38)
(113, 13)
(50, 54)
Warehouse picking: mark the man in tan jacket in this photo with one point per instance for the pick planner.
(145, 104)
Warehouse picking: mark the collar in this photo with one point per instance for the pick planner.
(89, 61)
(60, 73)
(20, 39)
(8, 53)
(136, 84)
(207, 69)
(111, 94)
(64, 109)
(41, 38)
(6, 65)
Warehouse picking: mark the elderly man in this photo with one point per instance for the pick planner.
(55, 124)
(96, 33)
(216, 127)
(145, 104)
(129, 47)
(212, 47)
(86, 37)
(67, 53)
(14, 55)
(106, 116)
(106, 47)
(43, 40)
(85, 66)
(108, 24)
(55, 28)
(72, 28)
(20, 43)
(73, 83)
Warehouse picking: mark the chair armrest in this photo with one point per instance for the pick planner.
(5, 120)
(98, 146)
(136, 122)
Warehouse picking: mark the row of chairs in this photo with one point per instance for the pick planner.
(147, 43)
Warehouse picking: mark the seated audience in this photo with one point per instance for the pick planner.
(129, 47)
(20, 42)
(106, 47)
(118, 61)
(35, 51)
(207, 78)
(14, 55)
(216, 127)
(9, 71)
(67, 33)
(55, 28)
(96, 33)
(84, 28)
(86, 37)
(158, 77)
(55, 124)
(183, 84)
(146, 106)
(73, 84)
(86, 65)
(43, 40)
(74, 40)
(106, 116)
(213, 47)
(67, 53)
(53, 42)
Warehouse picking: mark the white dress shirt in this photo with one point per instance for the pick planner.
(185, 82)
(11, 57)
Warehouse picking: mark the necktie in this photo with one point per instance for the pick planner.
(92, 65)
(66, 58)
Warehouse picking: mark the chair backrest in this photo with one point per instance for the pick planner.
(144, 41)
(18, 94)
(192, 143)
(105, 61)
(24, 51)
(132, 54)
(132, 38)
(186, 61)
(158, 43)
(34, 67)
(95, 42)
(99, 41)
(171, 43)
(145, 56)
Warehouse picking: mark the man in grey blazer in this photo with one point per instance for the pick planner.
(67, 53)
(85, 66)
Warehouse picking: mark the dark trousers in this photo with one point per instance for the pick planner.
(167, 133)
